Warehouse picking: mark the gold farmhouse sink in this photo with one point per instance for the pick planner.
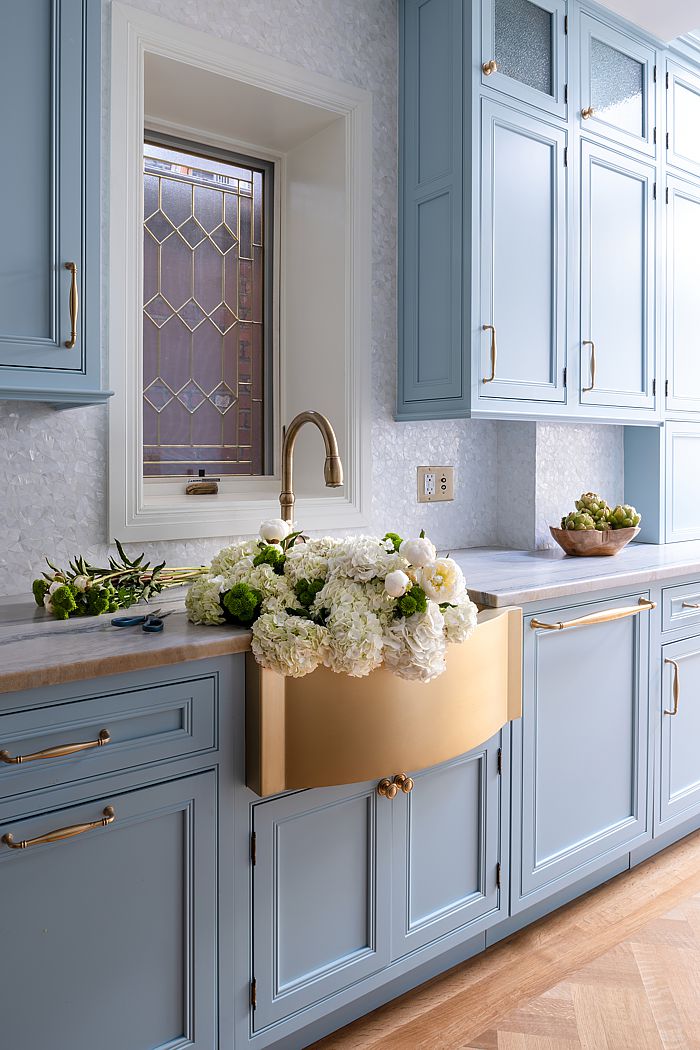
(327, 728)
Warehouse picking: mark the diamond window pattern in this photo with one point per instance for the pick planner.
(203, 348)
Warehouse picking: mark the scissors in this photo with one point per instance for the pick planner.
(152, 623)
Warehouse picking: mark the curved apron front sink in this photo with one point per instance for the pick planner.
(327, 728)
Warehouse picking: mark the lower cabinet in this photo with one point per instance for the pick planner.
(678, 791)
(110, 939)
(580, 751)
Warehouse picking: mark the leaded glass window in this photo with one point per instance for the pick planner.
(205, 308)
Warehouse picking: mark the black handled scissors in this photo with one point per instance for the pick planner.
(152, 623)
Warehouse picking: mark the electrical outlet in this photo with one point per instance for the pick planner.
(435, 484)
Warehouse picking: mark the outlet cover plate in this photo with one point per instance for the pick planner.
(435, 484)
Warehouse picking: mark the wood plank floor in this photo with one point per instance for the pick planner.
(618, 969)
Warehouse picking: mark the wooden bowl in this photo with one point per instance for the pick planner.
(589, 543)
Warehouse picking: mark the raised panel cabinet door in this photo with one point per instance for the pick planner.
(618, 89)
(682, 299)
(617, 280)
(523, 51)
(682, 118)
(110, 940)
(321, 891)
(49, 185)
(446, 849)
(522, 329)
(679, 781)
(431, 366)
(580, 750)
(681, 494)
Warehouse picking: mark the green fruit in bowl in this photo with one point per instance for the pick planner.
(624, 517)
(578, 521)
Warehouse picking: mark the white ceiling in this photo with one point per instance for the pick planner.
(666, 19)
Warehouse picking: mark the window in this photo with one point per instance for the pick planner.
(206, 312)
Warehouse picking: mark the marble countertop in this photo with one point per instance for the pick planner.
(36, 650)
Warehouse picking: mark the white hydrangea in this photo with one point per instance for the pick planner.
(290, 645)
(340, 590)
(355, 639)
(305, 561)
(414, 648)
(365, 558)
(275, 589)
(202, 600)
(460, 620)
(228, 557)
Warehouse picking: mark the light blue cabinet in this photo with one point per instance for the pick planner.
(50, 188)
(660, 480)
(523, 257)
(682, 299)
(682, 118)
(678, 788)
(618, 280)
(111, 937)
(580, 751)
(524, 54)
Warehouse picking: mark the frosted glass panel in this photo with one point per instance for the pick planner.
(523, 43)
(617, 88)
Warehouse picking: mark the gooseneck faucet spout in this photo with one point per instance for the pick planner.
(332, 469)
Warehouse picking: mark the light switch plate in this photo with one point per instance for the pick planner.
(435, 484)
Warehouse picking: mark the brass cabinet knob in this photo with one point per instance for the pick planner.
(404, 782)
(387, 788)
(489, 67)
(587, 112)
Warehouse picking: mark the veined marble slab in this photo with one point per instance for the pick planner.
(505, 577)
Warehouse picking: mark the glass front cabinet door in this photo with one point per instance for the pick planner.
(523, 51)
(682, 300)
(618, 97)
(683, 118)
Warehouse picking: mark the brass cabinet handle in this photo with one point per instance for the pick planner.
(404, 782)
(61, 751)
(73, 304)
(676, 685)
(589, 342)
(489, 67)
(387, 788)
(691, 605)
(587, 112)
(108, 817)
(605, 616)
(494, 351)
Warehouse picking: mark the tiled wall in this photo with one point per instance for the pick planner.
(53, 465)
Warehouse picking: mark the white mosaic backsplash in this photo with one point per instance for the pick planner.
(53, 465)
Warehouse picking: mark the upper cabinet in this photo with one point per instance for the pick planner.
(682, 301)
(683, 118)
(49, 252)
(523, 51)
(618, 93)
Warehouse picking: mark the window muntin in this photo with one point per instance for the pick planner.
(206, 311)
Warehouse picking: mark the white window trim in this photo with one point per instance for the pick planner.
(134, 513)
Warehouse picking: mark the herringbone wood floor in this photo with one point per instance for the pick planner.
(618, 969)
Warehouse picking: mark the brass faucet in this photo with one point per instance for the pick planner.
(332, 468)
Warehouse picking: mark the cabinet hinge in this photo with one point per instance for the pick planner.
(653, 388)
(654, 193)
(654, 136)
(667, 80)
(667, 194)
(565, 378)
(253, 849)
(498, 876)
(500, 761)
(666, 388)
(254, 994)
(566, 156)
(566, 93)
(667, 139)
(654, 74)
(566, 24)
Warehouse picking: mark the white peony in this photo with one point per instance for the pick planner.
(442, 580)
(414, 648)
(397, 583)
(290, 645)
(274, 530)
(80, 583)
(202, 600)
(418, 552)
(460, 620)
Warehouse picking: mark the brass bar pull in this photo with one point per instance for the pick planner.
(387, 788)
(61, 751)
(691, 605)
(676, 686)
(589, 342)
(489, 67)
(108, 817)
(404, 782)
(73, 304)
(494, 351)
(587, 112)
(605, 616)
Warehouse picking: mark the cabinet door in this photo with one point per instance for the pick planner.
(683, 118)
(321, 886)
(523, 257)
(50, 191)
(617, 279)
(523, 51)
(580, 749)
(680, 495)
(100, 946)
(618, 93)
(679, 780)
(682, 300)
(446, 849)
